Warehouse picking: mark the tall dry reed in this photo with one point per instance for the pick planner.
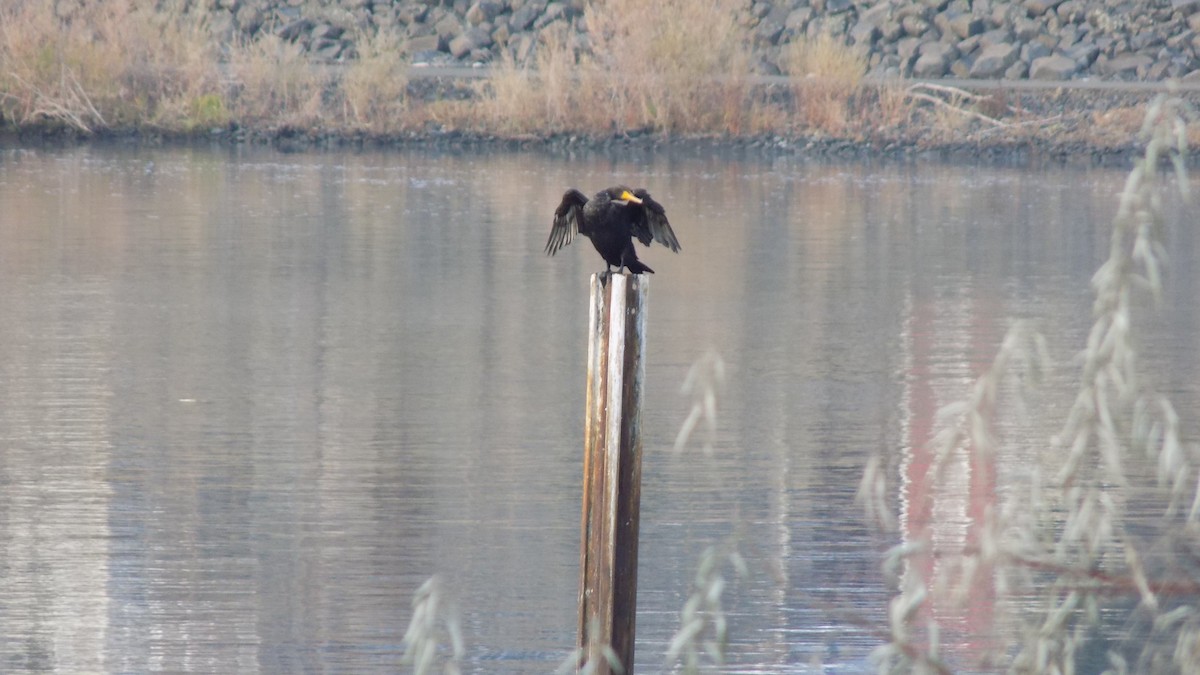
(826, 74)
(687, 70)
(92, 65)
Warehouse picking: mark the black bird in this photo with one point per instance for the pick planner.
(611, 219)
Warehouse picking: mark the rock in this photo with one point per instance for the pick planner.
(1125, 65)
(292, 30)
(448, 27)
(1037, 8)
(325, 31)
(767, 33)
(1083, 53)
(1025, 30)
(1068, 36)
(425, 43)
(1193, 22)
(485, 10)
(411, 13)
(523, 17)
(1143, 40)
(907, 49)
(797, 20)
(1017, 71)
(968, 45)
(1182, 39)
(1071, 11)
(940, 49)
(914, 26)
(864, 34)
(554, 12)
(962, 26)
(1159, 70)
(500, 34)
(1056, 67)
(994, 60)
(935, 58)
(326, 50)
(1004, 13)
(890, 31)
(996, 36)
(249, 19)
(1032, 51)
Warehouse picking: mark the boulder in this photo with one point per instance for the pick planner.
(425, 43)
(934, 59)
(907, 49)
(1124, 65)
(994, 60)
(965, 25)
(554, 12)
(448, 27)
(864, 34)
(1037, 8)
(485, 10)
(1032, 51)
(292, 30)
(1017, 71)
(411, 13)
(1083, 53)
(1054, 67)
(523, 17)
(914, 26)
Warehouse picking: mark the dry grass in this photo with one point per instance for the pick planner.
(686, 71)
(828, 73)
(92, 65)
(550, 98)
(274, 84)
(373, 86)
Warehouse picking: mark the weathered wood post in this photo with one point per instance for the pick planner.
(612, 467)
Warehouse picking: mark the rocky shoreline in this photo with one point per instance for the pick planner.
(1118, 40)
(1006, 115)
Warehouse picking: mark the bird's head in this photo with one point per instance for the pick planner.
(624, 196)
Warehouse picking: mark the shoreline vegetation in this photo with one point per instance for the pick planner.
(91, 70)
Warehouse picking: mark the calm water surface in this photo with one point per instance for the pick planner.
(251, 401)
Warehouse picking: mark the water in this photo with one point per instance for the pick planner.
(251, 401)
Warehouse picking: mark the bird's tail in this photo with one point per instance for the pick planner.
(637, 267)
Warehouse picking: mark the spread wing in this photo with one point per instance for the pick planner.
(651, 223)
(568, 218)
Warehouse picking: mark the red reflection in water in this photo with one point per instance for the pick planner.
(951, 342)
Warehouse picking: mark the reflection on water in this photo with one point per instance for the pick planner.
(251, 401)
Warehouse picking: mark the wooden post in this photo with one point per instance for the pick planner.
(612, 467)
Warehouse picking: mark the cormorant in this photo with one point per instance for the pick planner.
(611, 219)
